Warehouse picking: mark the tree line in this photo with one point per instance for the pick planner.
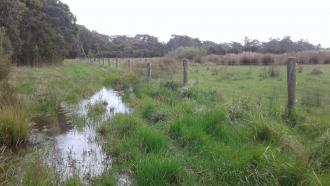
(45, 31)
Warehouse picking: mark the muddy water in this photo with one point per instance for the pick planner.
(77, 151)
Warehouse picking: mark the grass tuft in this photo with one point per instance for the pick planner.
(159, 171)
(151, 141)
(14, 125)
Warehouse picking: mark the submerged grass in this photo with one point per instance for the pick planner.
(96, 110)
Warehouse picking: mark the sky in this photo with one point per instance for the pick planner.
(214, 20)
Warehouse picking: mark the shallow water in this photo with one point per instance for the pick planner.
(112, 99)
(78, 152)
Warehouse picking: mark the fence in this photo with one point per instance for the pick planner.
(167, 69)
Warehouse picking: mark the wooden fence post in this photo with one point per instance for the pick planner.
(129, 65)
(291, 69)
(185, 71)
(149, 71)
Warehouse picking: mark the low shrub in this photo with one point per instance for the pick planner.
(267, 60)
(316, 71)
(190, 53)
(249, 59)
(216, 59)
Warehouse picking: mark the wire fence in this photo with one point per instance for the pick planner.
(168, 69)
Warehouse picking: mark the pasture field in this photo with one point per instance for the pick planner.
(228, 126)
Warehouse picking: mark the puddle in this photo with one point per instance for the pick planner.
(124, 180)
(111, 99)
(77, 151)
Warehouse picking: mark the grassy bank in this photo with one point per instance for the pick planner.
(227, 127)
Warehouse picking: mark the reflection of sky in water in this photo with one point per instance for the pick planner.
(112, 99)
(76, 151)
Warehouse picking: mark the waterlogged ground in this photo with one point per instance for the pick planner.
(228, 126)
(77, 151)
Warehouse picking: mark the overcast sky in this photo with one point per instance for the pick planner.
(216, 20)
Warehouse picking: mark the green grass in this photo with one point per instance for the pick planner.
(14, 126)
(229, 126)
(159, 171)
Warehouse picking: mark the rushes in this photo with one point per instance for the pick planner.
(14, 125)
(14, 118)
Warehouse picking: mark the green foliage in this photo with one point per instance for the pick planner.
(38, 31)
(189, 53)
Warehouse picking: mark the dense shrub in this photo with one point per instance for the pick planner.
(251, 58)
(314, 60)
(267, 60)
(190, 53)
(326, 60)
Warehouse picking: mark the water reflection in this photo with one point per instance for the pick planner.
(78, 152)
